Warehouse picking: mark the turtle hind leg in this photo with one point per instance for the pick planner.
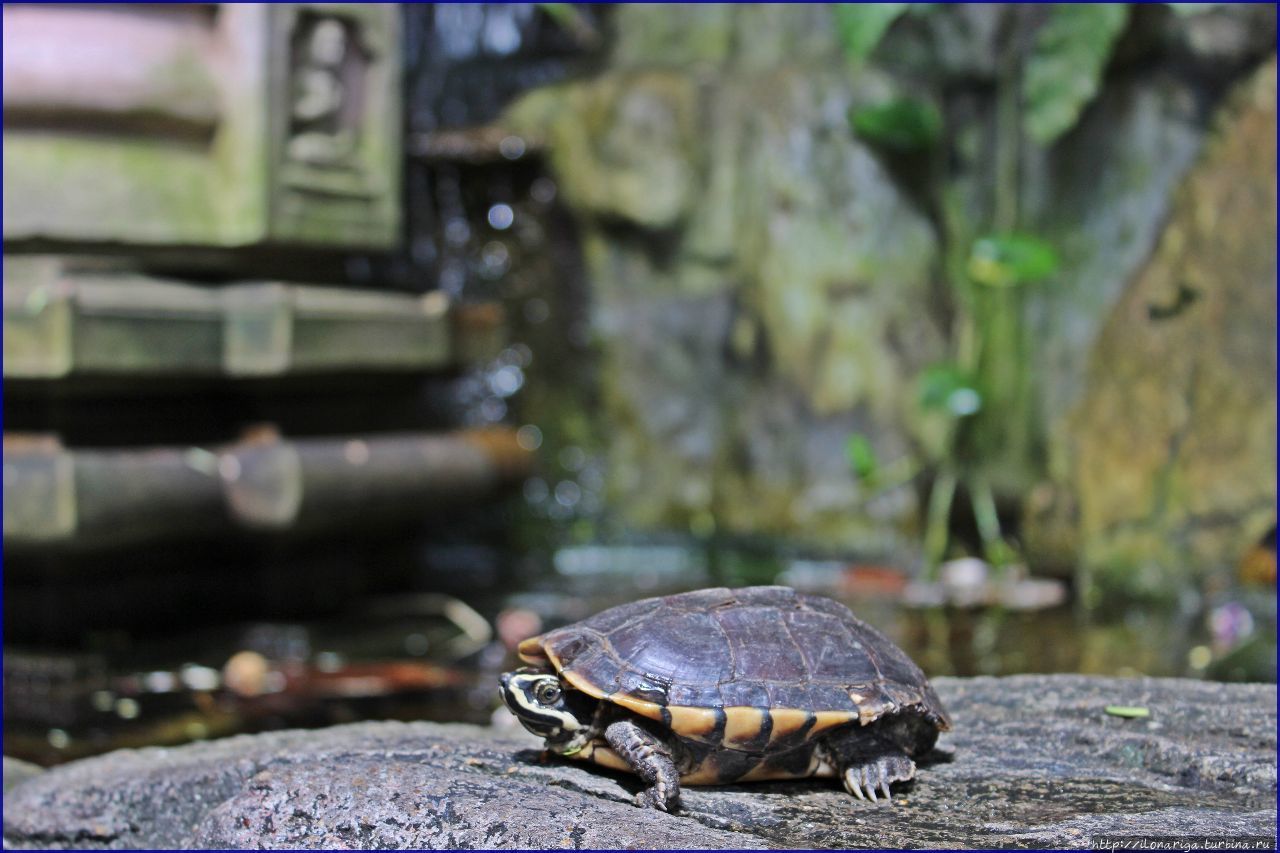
(868, 765)
(650, 758)
(864, 780)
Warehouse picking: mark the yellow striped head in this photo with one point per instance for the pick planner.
(543, 706)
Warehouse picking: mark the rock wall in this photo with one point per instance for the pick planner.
(764, 285)
(1175, 437)
(758, 276)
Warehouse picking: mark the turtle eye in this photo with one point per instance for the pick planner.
(547, 692)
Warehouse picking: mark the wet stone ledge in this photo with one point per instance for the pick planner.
(1035, 761)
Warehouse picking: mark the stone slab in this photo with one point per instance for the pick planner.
(1034, 761)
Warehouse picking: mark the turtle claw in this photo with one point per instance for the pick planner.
(871, 781)
(883, 781)
(657, 797)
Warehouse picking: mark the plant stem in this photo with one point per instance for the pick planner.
(1000, 435)
(936, 532)
(984, 513)
(1008, 142)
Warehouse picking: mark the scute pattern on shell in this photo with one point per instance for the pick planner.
(761, 647)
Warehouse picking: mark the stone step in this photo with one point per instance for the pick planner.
(63, 318)
(87, 498)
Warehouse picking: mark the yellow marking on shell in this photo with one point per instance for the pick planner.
(704, 775)
(531, 651)
(742, 723)
(786, 721)
(598, 752)
(577, 682)
(645, 709)
(828, 719)
(708, 773)
(692, 722)
(765, 773)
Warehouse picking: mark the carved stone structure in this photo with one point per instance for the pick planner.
(196, 381)
(202, 124)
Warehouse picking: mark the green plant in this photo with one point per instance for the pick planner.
(860, 26)
(1064, 69)
(903, 124)
(1010, 260)
(1047, 73)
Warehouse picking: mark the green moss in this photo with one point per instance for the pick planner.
(92, 188)
(673, 34)
(183, 87)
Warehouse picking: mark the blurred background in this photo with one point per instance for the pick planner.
(345, 346)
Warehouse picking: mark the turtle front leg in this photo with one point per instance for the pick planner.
(868, 764)
(650, 758)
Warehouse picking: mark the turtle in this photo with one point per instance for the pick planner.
(720, 686)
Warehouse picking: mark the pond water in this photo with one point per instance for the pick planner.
(1230, 638)
(437, 656)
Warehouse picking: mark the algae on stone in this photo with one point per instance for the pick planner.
(1175, 460)
(764, 285)
(758, 280)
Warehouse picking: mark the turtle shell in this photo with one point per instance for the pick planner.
(726, 666)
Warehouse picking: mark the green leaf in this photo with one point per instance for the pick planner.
(1010, 260)
(903, 124)
(1129, 712)
(862, 457)
(1066, 64)
(945, 387)
(860, 26)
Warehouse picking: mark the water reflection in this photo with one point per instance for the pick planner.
(1044, 633)
(406, 657)
(436, 656)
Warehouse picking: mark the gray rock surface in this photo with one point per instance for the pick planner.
(1035, 761)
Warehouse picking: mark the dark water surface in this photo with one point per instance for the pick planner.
(435, 656)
